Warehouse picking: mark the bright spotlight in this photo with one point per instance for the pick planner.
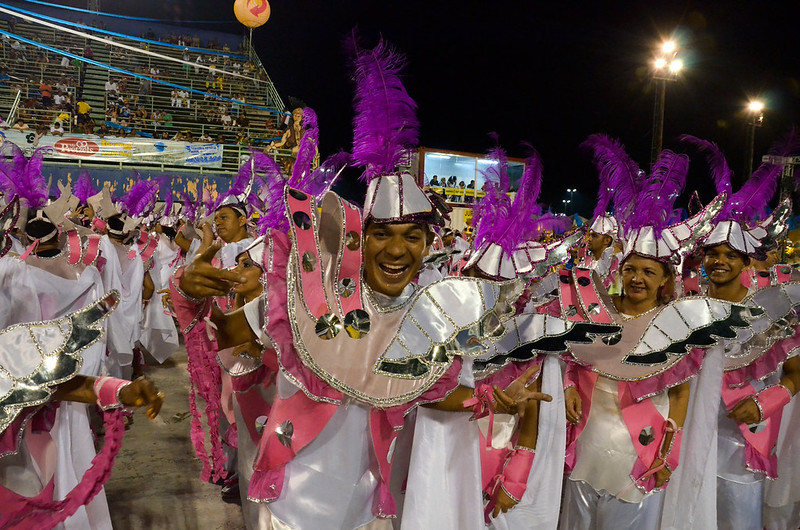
(756, 106)
(668, 47)
(660, 63)
(675, 66)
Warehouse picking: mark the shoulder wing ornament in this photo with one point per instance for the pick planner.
(36, 356)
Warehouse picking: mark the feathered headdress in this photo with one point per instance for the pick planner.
(620, 177)
(26, 174)
(741, 224)
(189, 206)
(84, 188)
(385, 130)
(140, 199)
(643, 206)
(506, 232)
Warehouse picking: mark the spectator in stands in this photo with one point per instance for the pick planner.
(157, 117)
(83, 111)
(41, 130)
(111, 87)
(178, 136)
(3, 123)
(168, 120)
(46, 93)
(242, 120)
(226, 119)
(140, 117)
(174, 98)
(104, 131)
(64, 62)
(57, 129)
(20, 125)
(144, 88)
(184, 97)
(58, 99)
(4, 77)
(186, 60)
(205, 138)
(434, 181)
(88, 53)
(220, 139)
(197, 63)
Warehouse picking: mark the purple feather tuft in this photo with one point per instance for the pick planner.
(491, 214)
(654, 203)
(84, 188)
(525, 205)
(141, 198)
(385, 124)
(189, 206)
(26, 174)
(620, 176)
(721, 173)
(324, 177)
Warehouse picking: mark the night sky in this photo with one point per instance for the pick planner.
(549, 73)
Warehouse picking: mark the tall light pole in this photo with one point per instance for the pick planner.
(667, 66)
(755, 118)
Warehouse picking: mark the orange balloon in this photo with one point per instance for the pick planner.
(251, 13)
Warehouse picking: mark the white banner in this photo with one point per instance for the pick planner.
(135, 150)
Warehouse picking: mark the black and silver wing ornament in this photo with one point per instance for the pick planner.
(530, 334)
(454, 316)
(37, 356)
(655, 341)
(777, 322)
(440, 257)
(8, 219)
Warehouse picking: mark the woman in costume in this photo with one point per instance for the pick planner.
(627, 399)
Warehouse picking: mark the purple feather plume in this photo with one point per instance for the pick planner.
(165, 190)
(26, 174)
(654, 203)
(525, 205)
(140, 199)
(721, 173)
(84, 188)
(324, 177)
(385, 125)
(189, 206)
(621, 175)
(491, 213)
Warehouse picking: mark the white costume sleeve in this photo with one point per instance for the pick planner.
(691, 498)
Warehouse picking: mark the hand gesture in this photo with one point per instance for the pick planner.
(140, 393)
(516, 395)
(200, 278)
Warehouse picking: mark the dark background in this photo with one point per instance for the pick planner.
(549, 73)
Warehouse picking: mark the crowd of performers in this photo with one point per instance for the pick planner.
(357, 367)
